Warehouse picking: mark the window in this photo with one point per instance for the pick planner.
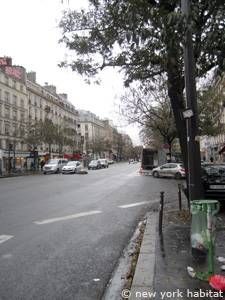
(14, 114)
(14, 127)
(7, 112)
(14, 100)
(22, 116)
(7, 98)
(7, 128)
(22, 130)
(14, 84)
(21, 102)
(1, 123)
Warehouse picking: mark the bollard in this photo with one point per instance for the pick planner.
(179, 196)
(161, 204)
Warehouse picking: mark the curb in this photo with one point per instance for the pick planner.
(143, 282)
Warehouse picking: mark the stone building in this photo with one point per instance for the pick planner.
(44, 103)
(213, 147)
(23, 103)
(13, 114)
(100, 138)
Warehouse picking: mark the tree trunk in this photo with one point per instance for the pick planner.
(175, 92)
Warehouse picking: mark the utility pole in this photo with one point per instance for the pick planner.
(195, 190)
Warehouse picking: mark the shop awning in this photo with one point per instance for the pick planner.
(75, 156)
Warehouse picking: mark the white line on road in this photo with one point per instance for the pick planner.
(134, 204)
(4, 238)
(69, 217)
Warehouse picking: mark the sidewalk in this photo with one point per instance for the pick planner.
(161, 271)
(20, 173)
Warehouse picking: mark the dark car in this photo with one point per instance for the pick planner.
(213, 177)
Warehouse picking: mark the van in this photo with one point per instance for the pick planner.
(54, 165)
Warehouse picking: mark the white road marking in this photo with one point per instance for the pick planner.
(133, 204)
(4, 238)
(7, 256)
(69, 217)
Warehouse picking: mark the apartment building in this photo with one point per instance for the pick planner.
(213, 147)
(101, 138)
(13, 113)
(44, 103)
(23, 102)
(92, 131)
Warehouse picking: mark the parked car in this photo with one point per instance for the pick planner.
(111, 161)
(72, 167)
(132, 161)
(54, 165)
(94, 165)
(213, 178)
(175, 170)
(104, 163)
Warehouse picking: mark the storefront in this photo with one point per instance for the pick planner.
(13, 160)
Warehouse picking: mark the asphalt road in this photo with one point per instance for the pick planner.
(61, 235)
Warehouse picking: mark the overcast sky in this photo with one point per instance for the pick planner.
(29, 34)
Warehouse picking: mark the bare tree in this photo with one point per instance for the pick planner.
(150, 107)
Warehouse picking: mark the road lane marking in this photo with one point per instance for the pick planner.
(4, 238)
(7, 256)
(69, 217)
(133, 204)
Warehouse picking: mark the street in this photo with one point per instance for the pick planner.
(61, 235)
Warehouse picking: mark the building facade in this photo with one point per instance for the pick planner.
(24, 103)
(92, 131)
(213, 147)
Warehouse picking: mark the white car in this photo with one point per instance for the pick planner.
(175, 170)
(104, 162)
(72, 167)
(54, 165)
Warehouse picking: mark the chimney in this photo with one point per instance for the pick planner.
(64, 96)
(50, 88)
(31, 76)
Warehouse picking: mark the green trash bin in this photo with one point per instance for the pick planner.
(203, 226)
